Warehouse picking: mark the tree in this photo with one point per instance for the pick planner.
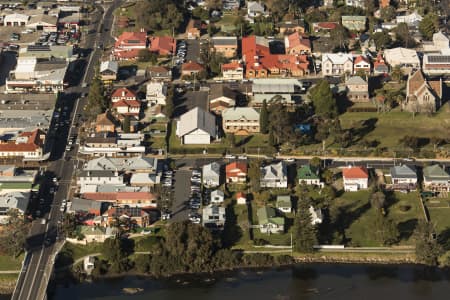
(116, 249)
(382, 40)
(339, 37)
(214, 4)
(378, 201)
(14, 234)
(231, 139)
(323, 100)
(264, 118)
(436, 141)
(169, 107)
(242, 27)
(254, 173)
(145, 55)
(305, 234)
(429, 25)
(280, 122)
(387, 13)
(403, 36)
(69, 226)
(126, 125)
(315, 162)
(410, 141)
(160, 14)
(427, 248)
(397, 73)
(386, 232)
(96, 99)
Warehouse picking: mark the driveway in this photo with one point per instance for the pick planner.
(182, 185)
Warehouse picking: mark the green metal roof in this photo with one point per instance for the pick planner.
(268, 214)
(15, 185)
(306, 172)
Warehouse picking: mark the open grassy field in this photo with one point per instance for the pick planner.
(8, 263)
(356, 216)
(389, 128)
(439, 216)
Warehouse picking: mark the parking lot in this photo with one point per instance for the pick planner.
(25, 38)
(193, 50)
(189, 100)
(180, 210)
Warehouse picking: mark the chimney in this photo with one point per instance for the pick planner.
(123, 93)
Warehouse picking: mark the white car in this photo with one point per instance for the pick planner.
(229, 156)
(290, 159)
(242, 157)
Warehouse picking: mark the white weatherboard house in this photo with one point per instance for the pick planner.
(156, 93)
(355, 178)
(274, 175)
(217, 197)
(403, 177)
(337, 64)
(196, 127)
(211, 174)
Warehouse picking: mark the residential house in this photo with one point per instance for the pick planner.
(323, 26)
(403, 177)
(255, 9)
(241, 198)
(295, 43)
(96, 234)
(211, 174)
(135, 164)
(402, 57)
(128, 45)
(225, 45)
(213, 217)
(422, 95)
(284, 203)
(356, 3)
(308, 175)
(354, 23)
(86, 206)
(413, 19)
(114, 144)
(132, 215)
(121, 196)
(236, 172)
(287, 27)
(240, 120)
(194, 29)
(159, 73)
(435, 178)
(439, 44)
(337, 64)
(261, 63)
(105, 122)
(361, 63)
(268, 220)
(108, 71)
(231, 4)
(196, 127)
(18, 201)
(123, 94)
(99, 177)
(191, 69)
(28, 144)
(285, 90)
(436, 64)
(316, 215)
(232, 71)
(130, 108)
(163, 45)
(217, 197)
(274, 175)
(221, 97)
(355, 178)
(357, 89)
(379, 66)
(156, 93)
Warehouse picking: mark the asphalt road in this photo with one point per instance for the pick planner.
(42, 239)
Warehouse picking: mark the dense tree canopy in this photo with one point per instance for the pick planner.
(160, 14)
(322, 99)
(305, 234)
(13, 235)
(429, 25)
(427, 248)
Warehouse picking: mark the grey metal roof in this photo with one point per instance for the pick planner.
(224, 41)
(274, 85)
(97, 173)
(197, 118)
(237, 113)
(403, 171)
(85, 205)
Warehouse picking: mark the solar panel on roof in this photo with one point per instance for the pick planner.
(439, 59)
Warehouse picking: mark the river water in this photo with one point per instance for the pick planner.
(304, 282)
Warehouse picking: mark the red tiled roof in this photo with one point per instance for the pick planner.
(242, 166)
(231, 66)
(327, 25)
(135, 196)
(163, 44)
(191, 66)
(33, 142)
(240, 195)
(127, 54)
(360, 59)
(123, 93)
(355, 172)
(295, 40)
(131, 39)
(126, 103)
(101, 196)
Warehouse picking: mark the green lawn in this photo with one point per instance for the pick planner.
(390, 127)
(440, 217)
(354, 215)
(71, 252)
(8, 263)
(227, 19)
(145, 243)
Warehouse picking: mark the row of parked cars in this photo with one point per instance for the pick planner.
(181, 52)
(195, 198)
